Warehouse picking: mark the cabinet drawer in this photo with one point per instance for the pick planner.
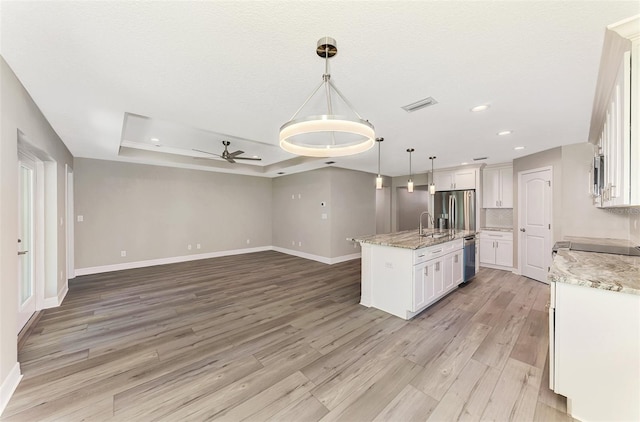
(435, 251)
(496, 235)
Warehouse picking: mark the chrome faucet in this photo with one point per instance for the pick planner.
(421, 230)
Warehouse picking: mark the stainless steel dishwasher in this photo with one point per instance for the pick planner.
(469, 258)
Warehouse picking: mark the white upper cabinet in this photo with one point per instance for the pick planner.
(497, 187)
(614, 127)
(460, 179)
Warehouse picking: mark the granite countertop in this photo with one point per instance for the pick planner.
(617, 273)
(410, 239)
(497, 229)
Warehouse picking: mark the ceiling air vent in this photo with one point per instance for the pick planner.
(330, 162)
(429, 101)
(480, 158)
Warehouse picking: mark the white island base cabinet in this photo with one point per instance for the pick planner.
(403, 282)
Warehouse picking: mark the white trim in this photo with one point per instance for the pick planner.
(9, 385)
(52, 302)
(496, 267)
(162, 261)
(324, 260)
(175, 259)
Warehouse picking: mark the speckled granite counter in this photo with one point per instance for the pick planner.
(618, 273)
(410, 239)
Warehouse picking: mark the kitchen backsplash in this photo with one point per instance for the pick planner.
(499, 217)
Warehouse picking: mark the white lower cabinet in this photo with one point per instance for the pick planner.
(595, 352)
(496, 250)
(436, 277)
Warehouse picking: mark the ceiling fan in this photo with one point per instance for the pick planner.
(230, 156)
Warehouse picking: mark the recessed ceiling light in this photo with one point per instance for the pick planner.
(330, 162)
(154, 140)
(255, 156)
(481, 107)
(464, 164)
(505, 132)
(518, 148)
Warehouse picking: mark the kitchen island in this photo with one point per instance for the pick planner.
(594, 330)
(403, 273)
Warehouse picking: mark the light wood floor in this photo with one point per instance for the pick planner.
(267, 336)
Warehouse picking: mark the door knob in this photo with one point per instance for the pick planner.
(523, 230)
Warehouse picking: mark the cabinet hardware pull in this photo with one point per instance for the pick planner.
(456, 257)
(438, 251)
(426, 271)
(437, 266)
(420, 256)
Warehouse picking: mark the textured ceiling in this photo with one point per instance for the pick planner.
(240, 69)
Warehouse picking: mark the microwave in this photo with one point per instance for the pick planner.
(598, 175)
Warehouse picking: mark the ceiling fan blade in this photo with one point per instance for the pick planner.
(235, 153)
(207, 152)
(230, 159)
(248, 158)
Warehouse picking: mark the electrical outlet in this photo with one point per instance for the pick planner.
(189, 246)
(299, 196)
(293, 243)
(293, 197)
(299, 243)
(61, 222)
(80, 218)
(248, 241)
(197, 246)
(324, 216)
(123, 253)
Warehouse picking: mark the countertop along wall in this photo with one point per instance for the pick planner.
(19, 112)
(155, 212)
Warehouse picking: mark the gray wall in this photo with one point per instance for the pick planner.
(353, 205)
(573, 211)
(297, 212)
(579, 216)
(19, 113)
(155, 212)
(349, 204)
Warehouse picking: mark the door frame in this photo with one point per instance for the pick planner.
(549, 244)
(38, 248)
(69, 199)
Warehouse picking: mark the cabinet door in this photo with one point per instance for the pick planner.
(506, 188)
(447, 275)
(490, 188)
(457, 269)
(504, 253)
(464, 179)
(423, 284)
(487, 251)
(438, 277)
(443, 180)
(420, 275)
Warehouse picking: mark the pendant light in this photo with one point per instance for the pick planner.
(327, 135)
(410, 182)
(432, 186)
(379, 178)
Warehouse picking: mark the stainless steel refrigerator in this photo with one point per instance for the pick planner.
(455, 209)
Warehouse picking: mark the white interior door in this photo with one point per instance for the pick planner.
(534, 217)
(26, 240)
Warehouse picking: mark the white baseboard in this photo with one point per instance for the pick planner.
(9, 385)
(318, 258)
(175, 259)
(52, 302)
(162, 261)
